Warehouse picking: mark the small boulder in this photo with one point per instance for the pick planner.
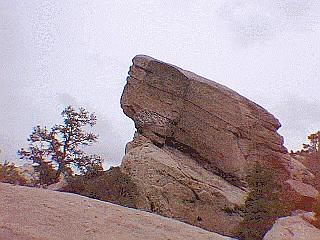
(296, 227)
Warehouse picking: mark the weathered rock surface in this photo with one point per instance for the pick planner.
(298, 171)
(172, 184)
(195, 141)
(300, 194)
(293, 228)
(34, 214)
(301, 185)
(215, 124)
(311, 162)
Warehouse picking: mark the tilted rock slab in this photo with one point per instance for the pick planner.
(195, 141)
(38, 214)
(217, 125)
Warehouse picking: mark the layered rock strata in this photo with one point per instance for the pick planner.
(172, 184)
(194, 144)
(214, 124)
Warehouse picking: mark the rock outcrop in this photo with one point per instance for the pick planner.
(301, 185)
(194, 143)
(217, 126)
(34, 214)
(295, 227)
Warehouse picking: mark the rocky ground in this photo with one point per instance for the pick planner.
(39, 214)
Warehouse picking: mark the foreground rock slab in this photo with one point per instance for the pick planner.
(34, 214)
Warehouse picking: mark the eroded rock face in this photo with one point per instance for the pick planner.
(195, 141)
(216, 125)
(301, 185)
(301, 195)
(172, 184)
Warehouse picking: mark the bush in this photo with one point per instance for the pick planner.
(47, 175)
(10, 174)
(111, 186)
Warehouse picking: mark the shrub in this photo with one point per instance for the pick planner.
(111, 186)
(263, 204)
(10, 174)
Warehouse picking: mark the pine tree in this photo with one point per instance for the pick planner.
(263, 204)
(314, 143)
(59, 150)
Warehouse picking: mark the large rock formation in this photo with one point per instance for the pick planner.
(218, 127)
(195, 141)
(34, 214)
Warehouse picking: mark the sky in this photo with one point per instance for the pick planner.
(55, 53)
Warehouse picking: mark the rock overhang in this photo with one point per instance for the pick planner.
(218, 126)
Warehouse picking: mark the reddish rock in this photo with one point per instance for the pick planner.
(301, 195)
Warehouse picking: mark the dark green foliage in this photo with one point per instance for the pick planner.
(61, 147)
(236, 210)
(263, 204)
(47, 174)
(111, 186)
(314, 143)
(10, 174)
(310, 157)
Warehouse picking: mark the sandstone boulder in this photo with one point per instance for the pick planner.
(219, 127)
(194, 144)
(301, 195)
(301, 185)
(298, 171)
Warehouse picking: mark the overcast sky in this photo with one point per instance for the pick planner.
(55, 53)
